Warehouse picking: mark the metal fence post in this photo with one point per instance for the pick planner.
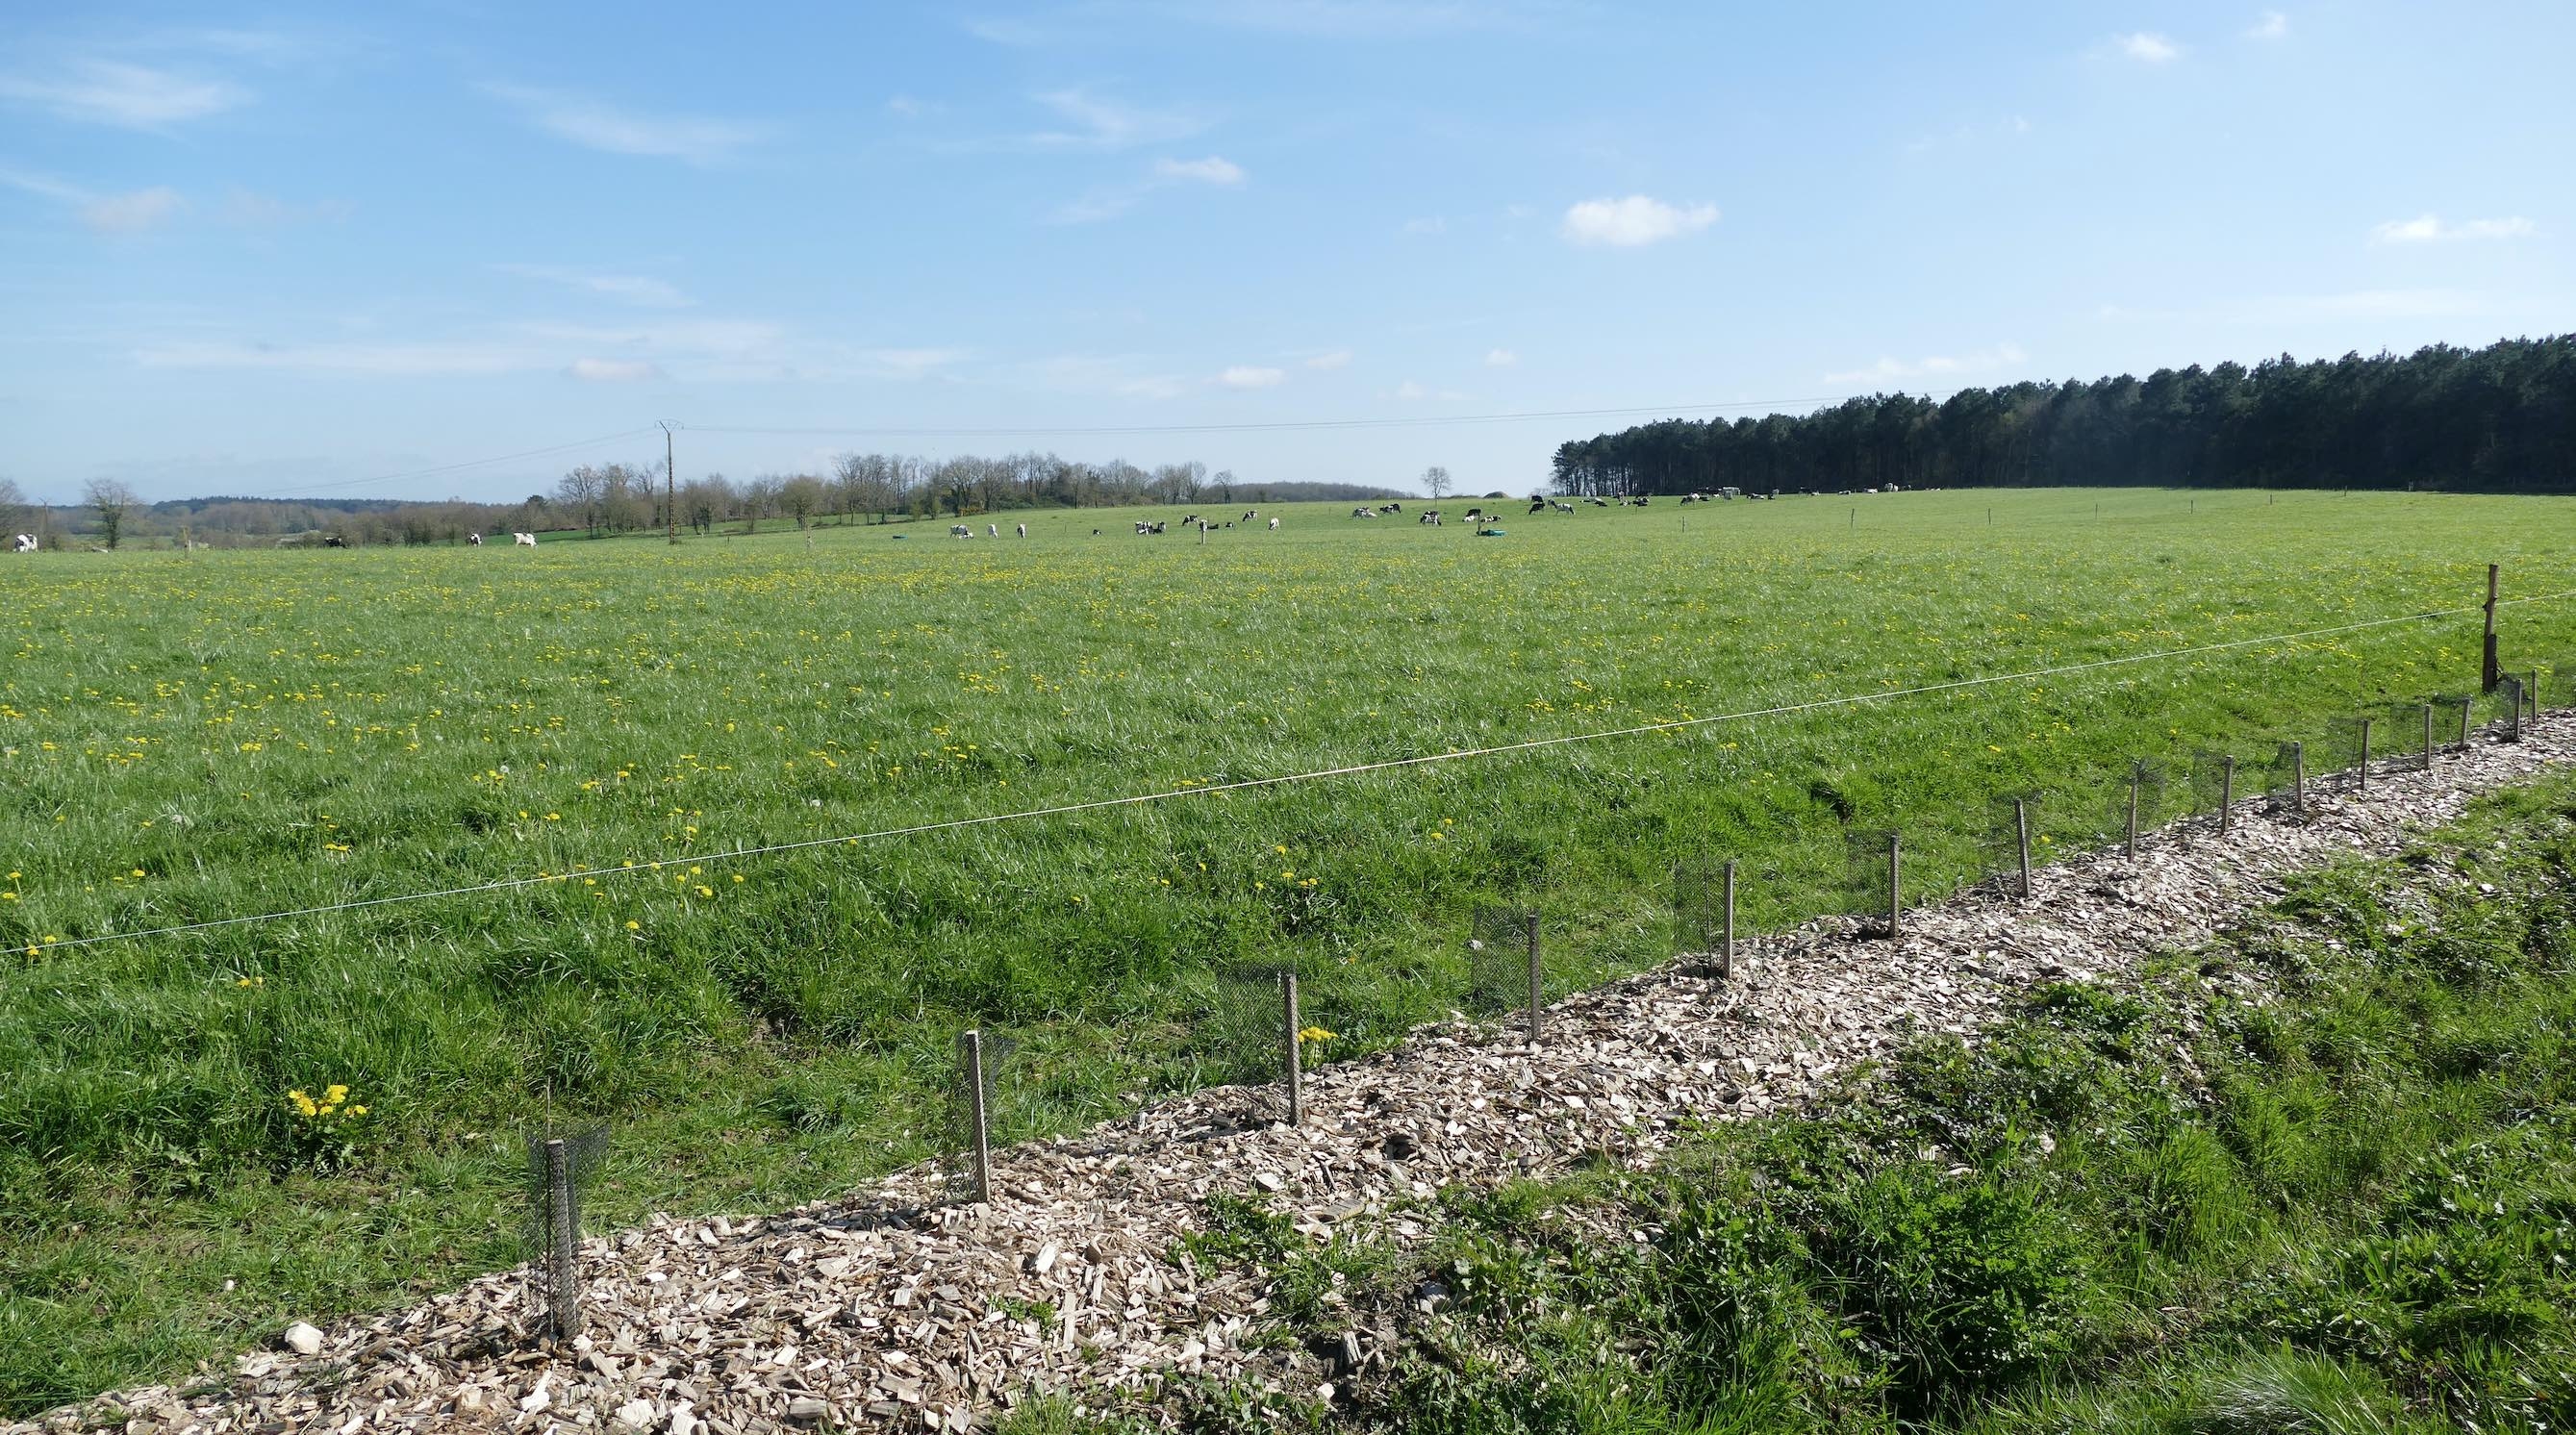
(2021, 835)
(2226, 791)
(2362, 773)
(563, 1244)
(2428, 737)
(2137, 776)
(2299, 779)
(1296, 1041)
(1536, 991)
(1895, 884)
(973, 1042)
(2465, 705)
(1726, 945)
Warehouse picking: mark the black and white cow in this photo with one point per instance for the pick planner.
(23, 543)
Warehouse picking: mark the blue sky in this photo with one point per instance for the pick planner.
(282, 249)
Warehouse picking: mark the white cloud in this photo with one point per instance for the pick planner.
(408, 360)
(1330, 359)
(2429, 229)
(614, 371)
(111, 92)
(908, 363)
(253, 210)
(45, 185)
(1110, 201)
(2148, 47)
(1211, 170)
(132, 213)
(1107, 124)
(2273, 26)
(1500, 358)
(598, 126)
(1931, 366)
(1432, 224)
(2317, 308)
(1250, 376)
(1635, 220)
(1110, 374)
(904, 105)
(626, 288)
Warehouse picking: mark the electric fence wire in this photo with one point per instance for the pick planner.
(737, 854)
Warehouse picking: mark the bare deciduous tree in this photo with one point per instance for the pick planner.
(1435, 481)
(111, 497)
(13, 507)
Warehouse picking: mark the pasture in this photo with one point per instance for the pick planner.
(186, 738)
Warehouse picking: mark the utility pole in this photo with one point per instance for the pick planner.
(670, 484)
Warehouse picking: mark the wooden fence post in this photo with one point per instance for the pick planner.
(1296, 1056)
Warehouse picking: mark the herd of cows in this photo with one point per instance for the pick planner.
(1481, 516)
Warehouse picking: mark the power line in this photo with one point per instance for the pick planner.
(1252, 783)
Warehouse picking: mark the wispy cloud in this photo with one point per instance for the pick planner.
(1252, 376)
(1097, 122)
(1112, 375)
(132, 213)
(1329, 359)
(2429, 229)
(1931, 366)
(253, 210)
(625, 288)
(1110, 201)
(1211, 170)
(2316, 308)
(2273, 26)
(615, 371)
(600, 126)
(1633, 221)
(129, 96)
(2147, 47)
(128, 213)
(1428, 224)
(405, 360)
(1500, 358)
(1347, 19)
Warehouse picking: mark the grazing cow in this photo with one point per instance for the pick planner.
(960, 530)
(1024, 530)
(523, 540)
(1560, 506)
(1274, 525)
(1538, 505)
(26, 542)
(1363, 513)
(1395, 508)
(474, 540)
(1429, 515)
(1158, 526)
(1250, 514)
(335, 541)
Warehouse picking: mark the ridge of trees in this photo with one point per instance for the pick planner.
(622, 497)
(2501, 419)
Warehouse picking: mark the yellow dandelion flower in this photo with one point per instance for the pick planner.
(634, 926)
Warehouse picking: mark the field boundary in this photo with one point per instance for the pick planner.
(890, 1307)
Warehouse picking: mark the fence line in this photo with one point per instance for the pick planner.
(1252, 783)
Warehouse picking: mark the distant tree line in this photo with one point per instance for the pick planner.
(2497, 419)
(604, 499)
(615, 498)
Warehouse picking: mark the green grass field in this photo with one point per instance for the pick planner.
(193, 737)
